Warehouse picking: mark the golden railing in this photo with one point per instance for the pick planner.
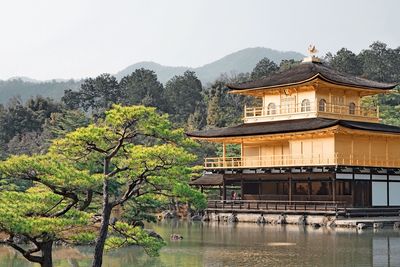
(284, 110)
(300, 160)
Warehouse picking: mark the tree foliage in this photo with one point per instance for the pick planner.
(46, 211)
(346, 61)
(141, 87)
(183, 95)
(136, 152)
(130, 154)
(263, 68)
(97, 94)
(21, 124)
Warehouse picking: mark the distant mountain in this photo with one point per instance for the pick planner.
(24, 79)
(240, 61)
(164, 73)
(24, 88)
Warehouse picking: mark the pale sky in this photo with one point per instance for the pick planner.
(45, 39)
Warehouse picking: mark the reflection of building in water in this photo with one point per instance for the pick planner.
(386, 251)
(310, 139)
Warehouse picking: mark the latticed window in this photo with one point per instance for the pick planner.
(305, 105)
(322, 105)
(352, 108)
(271, 109)
(288, 104)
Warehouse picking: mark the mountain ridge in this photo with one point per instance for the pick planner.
(243, 60)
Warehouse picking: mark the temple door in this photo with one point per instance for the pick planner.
(362, 194)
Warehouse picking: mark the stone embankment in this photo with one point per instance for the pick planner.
(314, 220)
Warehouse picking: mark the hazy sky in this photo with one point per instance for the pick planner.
(46, 39)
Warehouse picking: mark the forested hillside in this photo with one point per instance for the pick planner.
(27, 126)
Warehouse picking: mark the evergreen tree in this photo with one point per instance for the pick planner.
(114, 149)
(142, 88)
(380, 63)
(183, 95)
(97, 94)
(345, 61)
(263, 68)
(288, 64)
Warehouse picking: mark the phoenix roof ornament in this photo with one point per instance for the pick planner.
(312, 51)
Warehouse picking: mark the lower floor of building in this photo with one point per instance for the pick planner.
(354, 188)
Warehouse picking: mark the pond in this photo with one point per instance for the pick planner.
(243, 244)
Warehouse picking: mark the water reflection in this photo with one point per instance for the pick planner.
(243, 244)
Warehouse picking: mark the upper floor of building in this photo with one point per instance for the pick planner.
(308, 90)
(310, 115)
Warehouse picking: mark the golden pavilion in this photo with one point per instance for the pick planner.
(311, 140)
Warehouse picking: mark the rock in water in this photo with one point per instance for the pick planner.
(153, 234)
(167, 215)
(301, 220)
(261, 220)
(196, 218)
(205, 218)
(361, 226)
(316, 225)
(232, 218)
(281, 219)
(176, 237)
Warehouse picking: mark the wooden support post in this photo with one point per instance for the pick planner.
(334, 189)
(290, 188)
(241, 188)
(223, 190)
(241, 152)
(353, 185)
(224, 154)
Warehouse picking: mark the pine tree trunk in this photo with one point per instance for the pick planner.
(47, 255)
(99, 248)
(105, 221)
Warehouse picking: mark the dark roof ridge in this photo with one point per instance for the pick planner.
(308, 71)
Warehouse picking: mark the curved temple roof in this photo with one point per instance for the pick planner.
(289, 126)
(309, 71)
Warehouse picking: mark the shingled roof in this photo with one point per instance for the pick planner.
(309, 71)
(290, 126)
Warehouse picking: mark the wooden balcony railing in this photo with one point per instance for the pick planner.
(299, 160)
(300, 111)
(274, 205)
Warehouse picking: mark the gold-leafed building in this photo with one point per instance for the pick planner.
(310, 140)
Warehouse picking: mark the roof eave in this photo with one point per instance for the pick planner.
(237, 90)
